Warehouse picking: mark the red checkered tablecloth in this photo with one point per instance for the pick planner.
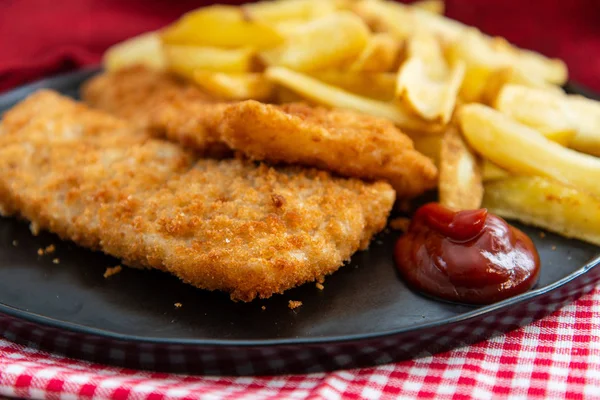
(557, 357)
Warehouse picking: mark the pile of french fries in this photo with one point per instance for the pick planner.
(494, 117)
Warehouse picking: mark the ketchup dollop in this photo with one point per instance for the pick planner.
(468, 256)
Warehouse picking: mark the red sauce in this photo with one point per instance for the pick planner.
(468, 256)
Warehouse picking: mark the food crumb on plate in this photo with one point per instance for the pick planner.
(56, 261)
(553, 248)
(542, 235)
(320, 286)
(50, 249)
(293, 304)
(178, 305)
(400, 224)
(263, 308)
(110, 271)
(15, 243)
(40, 252)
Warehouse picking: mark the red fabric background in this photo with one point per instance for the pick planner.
(44, 37)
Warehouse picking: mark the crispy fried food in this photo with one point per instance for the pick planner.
(169, 106)
(342, 141)
(228, 225)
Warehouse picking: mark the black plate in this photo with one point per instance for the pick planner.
(364, 316)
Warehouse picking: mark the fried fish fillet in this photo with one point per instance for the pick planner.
(341, 141)
(230, 225)
(162, 102)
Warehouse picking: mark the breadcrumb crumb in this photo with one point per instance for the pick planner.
(263, 308)
(400, 224)
(320, 286)
(40, 252)
(553, 248)
(110, 271)
(542, 235)
(178, 305)
(56, 261)
(50, 249)
(293, 304)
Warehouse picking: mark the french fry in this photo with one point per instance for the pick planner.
(484, 56)
(427, 47)
(221, 26)
(569, 120)
(432, 6)
(548, 113)
(429, 97)
(547, 204)
(184, 60)
(587, 115)
(551, 70)
(428, 145)
(286, 10)
(379, 86)
(228, 86)
(426, 84)
(144, 49)
(492, 172)
(324, 43)
(402, 21)
(380, 55)
(332, 96)
(508, 75)
(460, 184)
(525, 151)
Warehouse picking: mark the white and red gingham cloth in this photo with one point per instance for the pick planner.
(557, 357)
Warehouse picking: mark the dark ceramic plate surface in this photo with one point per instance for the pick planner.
(365, 315)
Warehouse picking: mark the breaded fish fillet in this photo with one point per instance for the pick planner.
(341, 141)
(168, 105)
(231, 225)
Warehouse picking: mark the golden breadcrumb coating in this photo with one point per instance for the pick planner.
(345, 142)
(171, 107)
(231, 225)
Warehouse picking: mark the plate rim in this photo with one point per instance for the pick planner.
(17, 94)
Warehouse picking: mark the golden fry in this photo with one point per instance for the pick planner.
(492, 172)
(235, 86)
(402, 21)
(286, 10)
(325, 43)
(460, 183)
(380, 55)
(547, 204)
(587, 115)
(432, 6)
(221, 26)
(546, 112)
(428, 145)
(332, 96)
(484, 56)
(185, 60)
(525, 151)
(144, 50)
(430, 97)
(508, 75)
(378, 85)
